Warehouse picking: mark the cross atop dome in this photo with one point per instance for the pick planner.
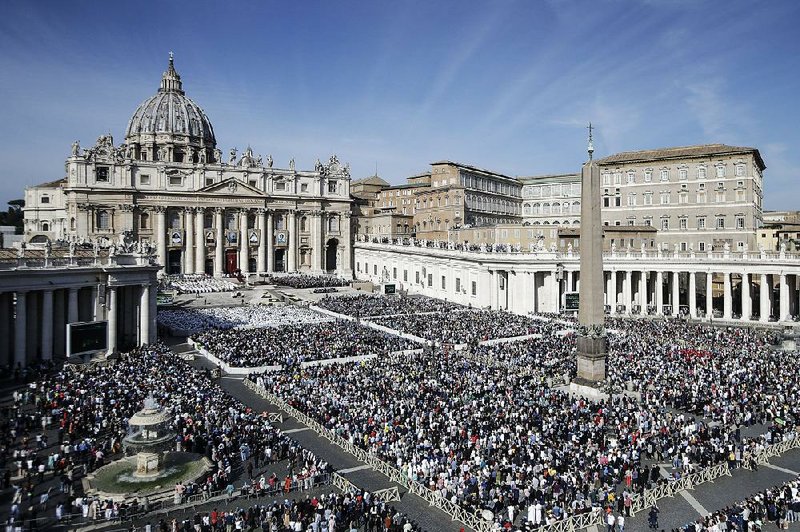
(171, 80)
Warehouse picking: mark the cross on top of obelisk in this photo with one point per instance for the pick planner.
(591, 144)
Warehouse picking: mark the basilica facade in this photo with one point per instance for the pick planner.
(168, 187)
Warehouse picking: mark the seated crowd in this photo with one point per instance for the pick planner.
(462, 327)
(195, 284)
(293, 344)
(488, 436)
(238, 317)
(306, 281)
(369, 305)
(88, 408)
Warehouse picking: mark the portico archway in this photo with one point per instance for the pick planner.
(330, 255)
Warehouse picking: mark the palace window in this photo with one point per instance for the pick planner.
(720, 224)
(683, 174)
(631, 178)
(280, 186)
(682, 224)
(333, 224)
(739, 170)
(331, 187)
(701, 172)
(444, 282)
(474, 288)
(176, 180)
(701, 223)
(665, 175)
(101, 174)
(720, 170)
(665, 224)
(701, 246)
(45, 199)
(103, 220)
(648, 176)
(740, 222)
(144, 221)
(45, 226)
(144, 179)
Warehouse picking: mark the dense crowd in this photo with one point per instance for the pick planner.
(462, 327)
(238, 317)
(326, 513)
(88, 408)
(368, 305)
(294, 344)
(479, 430)
(195, 284)
(306, 281)
(779, 505)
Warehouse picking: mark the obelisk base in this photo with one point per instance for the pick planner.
(592, 352)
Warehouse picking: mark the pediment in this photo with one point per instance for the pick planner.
(232, 187)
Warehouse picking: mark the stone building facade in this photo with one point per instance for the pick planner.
(168, 186)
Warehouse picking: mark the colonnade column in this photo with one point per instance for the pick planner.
(676, 293)
(319, 248)
(72, 305)
(144, 315)
(659, 293)
(47, 325)
(219, 241)
(627, 289)
(291, 248)
(244, 242)
(270, 243)
(727, 308)
(643, 293)
(111, 309)
(188, 226)
(693, 294)
(5, 328)
(261, 262)
(784, 303)
(613, 291)
(763, 302)
(161, 236)
(200, 241)
(569, 280)
(20, 332)
(709, 295)
(747, 306)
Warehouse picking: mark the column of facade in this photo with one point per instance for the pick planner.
(161, 236)
(291, 248)
(60, 322)
(727, 308)
(569, 280)
(659, 288)
(144, 315)
(261, 262)
(72, 306)
(347, 250)
(47, 325)
(676, 293)
(763, 302)
(747, 306)
(784, 302)
(219, 243)
(20, 330)
(613, 291)
(709, 295)
(643, 293)
(199, 241)
(627, 289)
(32, 330)
(555, 296)
(111, 311)
(693, 294)
(244, 242)
(319, 247)
(188, 254)
(270, 239)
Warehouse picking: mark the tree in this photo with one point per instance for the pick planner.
(14, 216)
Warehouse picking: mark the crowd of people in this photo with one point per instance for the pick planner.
(331, 512)
(85, 410)
(475, 427)
(239, 317)
(462, 327)
(306, 281)
(293, 344)
(369, 305)
(195, 284)
(779, 505)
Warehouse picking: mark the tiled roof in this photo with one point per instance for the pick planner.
(680, 152)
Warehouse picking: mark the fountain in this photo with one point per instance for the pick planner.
(149, 467)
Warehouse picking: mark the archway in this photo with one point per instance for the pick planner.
(39, 239)
(174, 261)
(330, 254)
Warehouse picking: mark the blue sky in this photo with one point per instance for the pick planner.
(506, 85)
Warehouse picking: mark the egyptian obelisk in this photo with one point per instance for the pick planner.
(592, 347)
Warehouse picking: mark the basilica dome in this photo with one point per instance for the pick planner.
(170, 112)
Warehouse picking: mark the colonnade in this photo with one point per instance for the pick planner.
(37, 304)
(259, 240)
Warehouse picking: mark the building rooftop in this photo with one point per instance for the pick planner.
(555, 177)
(371, 180)
(680, 152)
(53, 184)
(474, 169)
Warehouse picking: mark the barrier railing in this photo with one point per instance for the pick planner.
(749, 460)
